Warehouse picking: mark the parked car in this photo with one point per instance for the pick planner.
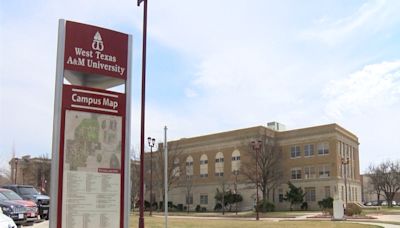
(6, 221)
(371, 203)
(31, 208)
(28, 192)
(385, 203)
(15, 211)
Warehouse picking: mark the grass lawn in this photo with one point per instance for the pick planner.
(158, 222)
(245, 214)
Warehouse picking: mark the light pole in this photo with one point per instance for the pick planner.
(151, 142)
(142, 116)
(344, 163)
(256, 147)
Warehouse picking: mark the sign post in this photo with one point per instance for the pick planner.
(90, 158)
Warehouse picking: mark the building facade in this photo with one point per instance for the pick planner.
(311, 158)
(31, 171)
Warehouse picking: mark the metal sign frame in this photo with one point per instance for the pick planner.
(94, 82)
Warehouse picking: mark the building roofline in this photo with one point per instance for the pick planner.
(220, 134)
(334, 126)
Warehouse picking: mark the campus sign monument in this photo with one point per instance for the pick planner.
(90, 161)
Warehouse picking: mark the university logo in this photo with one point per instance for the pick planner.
(97, 42)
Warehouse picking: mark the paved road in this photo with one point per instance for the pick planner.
(379, 224)
(44, 224)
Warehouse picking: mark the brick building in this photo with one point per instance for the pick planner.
(31, 171)
(310, 158)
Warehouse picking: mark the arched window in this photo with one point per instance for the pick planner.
(219, 164)
(203, 166)
(235, 162)
(189, 166)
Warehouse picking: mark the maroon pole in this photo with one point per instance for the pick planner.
(142, 117)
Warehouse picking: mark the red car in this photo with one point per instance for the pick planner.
(31, 207)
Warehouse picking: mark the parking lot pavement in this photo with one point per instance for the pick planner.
(44, 224)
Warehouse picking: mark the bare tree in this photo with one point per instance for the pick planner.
(268, 166)
(5, 176)
(376, 182)
(386, 178)
(188, 183)
(220, 196)
(175, 165)
(135, 177)
(43, 173)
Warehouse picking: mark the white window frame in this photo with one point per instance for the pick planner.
(295, 152)
(308, 148)
(296, 174)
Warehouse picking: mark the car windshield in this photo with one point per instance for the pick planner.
(2, 197)
(28, 191)
(11, 195)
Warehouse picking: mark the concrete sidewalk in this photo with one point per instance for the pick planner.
(44, 224)
(384, 225)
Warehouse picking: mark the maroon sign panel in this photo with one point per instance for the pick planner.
(91, 152)
(93, 100)
(92, 158)
(95, 50)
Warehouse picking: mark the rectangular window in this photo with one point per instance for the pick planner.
(308, 150)
(189, 199)
(309, 172)
(221, 174)
(295, 151)
(203, 199)
(356, 192)
(327, 190)
(342, 193)
(310, 194)
(296, 173)
(323, 148)
(324, 171)
(204, 175)
(280, 198)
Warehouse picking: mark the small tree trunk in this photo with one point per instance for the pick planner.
(223, 203)
(378, 197)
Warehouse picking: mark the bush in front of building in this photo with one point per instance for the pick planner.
(179, 207)
(352, 209)
(304, 206)
(198, 208)
(295, 195)
(326, 205)
(265, 206)
(218, 207)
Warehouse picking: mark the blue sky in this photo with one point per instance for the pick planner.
(217, 66)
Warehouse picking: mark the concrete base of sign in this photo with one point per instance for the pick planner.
(338, 210)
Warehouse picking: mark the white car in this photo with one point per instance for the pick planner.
(5, 221)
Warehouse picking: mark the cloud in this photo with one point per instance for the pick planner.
(190, 93)
(371, 17)
(373, 87)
